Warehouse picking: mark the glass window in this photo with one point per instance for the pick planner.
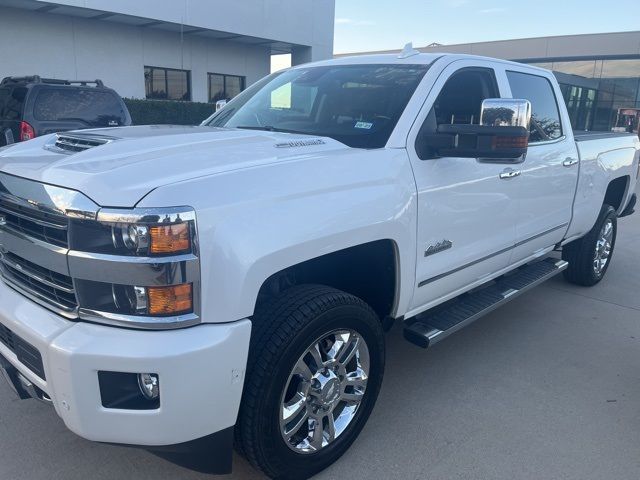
(11, 103)
(358, 105)
(621, 69)
(167, 83)
(587, 69)
(95, 107)
(460, 100)
(224, 87)
(545, 116)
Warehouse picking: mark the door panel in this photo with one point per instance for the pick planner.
(549, 174)
(466, 212)
(464, 202)
(545, 197)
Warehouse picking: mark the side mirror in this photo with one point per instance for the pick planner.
(503, 133)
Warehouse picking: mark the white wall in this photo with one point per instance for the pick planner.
(61, 46)
(302, 22)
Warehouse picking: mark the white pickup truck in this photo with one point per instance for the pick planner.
(174, 287)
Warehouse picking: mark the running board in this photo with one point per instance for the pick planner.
(430, 327)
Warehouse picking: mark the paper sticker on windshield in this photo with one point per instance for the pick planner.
(364, 125)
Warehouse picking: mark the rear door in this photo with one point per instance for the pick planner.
(549, 172)
(62, 108)
(11, 108)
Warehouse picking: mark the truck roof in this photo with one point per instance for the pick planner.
(397, 59)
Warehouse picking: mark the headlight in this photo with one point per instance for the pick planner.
(137, 267)
(144, 233)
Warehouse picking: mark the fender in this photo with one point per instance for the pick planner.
(255, 222)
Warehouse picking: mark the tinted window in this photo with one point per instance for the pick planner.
(94, 107)
(167, 83)
(11, 103)
(545, 116)
(224, 87)
(460, 100)
(358, 105)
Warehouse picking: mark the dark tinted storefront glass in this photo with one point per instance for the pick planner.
(224, 87)
(167, 84)
(613, 85)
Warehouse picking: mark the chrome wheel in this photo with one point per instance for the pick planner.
(603, 248)
(324, 391)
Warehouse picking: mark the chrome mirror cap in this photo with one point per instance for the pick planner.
(506, 112)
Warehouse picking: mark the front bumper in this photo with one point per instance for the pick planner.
(201, 371)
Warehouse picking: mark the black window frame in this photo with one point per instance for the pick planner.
(166, 83)
(555, 99)
(224, 76)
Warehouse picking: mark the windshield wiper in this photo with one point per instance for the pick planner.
(269, 128)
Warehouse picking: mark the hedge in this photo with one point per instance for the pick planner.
(157, 112)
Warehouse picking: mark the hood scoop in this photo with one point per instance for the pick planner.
(74, 143)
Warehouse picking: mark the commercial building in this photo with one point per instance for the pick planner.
(196, 50)
(599, 74)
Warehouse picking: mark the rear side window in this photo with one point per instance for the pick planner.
(545, 115)
(94, 107)
(12, 103)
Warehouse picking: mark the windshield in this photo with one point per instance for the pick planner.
(358, 105)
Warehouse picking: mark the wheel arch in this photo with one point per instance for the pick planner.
(616, 192)
(370, 271)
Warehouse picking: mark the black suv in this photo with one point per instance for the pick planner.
(34, 106)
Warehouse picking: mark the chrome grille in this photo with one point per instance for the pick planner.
(48, 286)
(43, 226)
(78, 143)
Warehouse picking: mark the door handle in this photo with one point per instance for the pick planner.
(510, 173)
(570, 162)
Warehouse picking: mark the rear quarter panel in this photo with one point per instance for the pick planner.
(602, 159)
(254, 222)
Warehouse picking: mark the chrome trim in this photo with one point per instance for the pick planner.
(509, 173)
(25, 270)
(40, 299)
(146, 215)
(487, 257)
(46, 255)
(140, 322)
(131, 270)
(45, 198)
(570, 162)
(35, 220)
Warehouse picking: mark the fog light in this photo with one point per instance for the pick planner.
(149, 385)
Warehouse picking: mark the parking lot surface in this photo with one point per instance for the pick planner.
(547, 387)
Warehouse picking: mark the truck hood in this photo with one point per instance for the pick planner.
(136, 160)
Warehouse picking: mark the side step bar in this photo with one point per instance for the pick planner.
(430, 327)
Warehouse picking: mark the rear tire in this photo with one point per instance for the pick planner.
(331, 406)
(589, 257)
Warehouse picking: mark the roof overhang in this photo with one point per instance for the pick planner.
(40, 6)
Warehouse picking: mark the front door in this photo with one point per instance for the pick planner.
(466, 207)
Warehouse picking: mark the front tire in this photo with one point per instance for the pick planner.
(315, 368)
(589, 257)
